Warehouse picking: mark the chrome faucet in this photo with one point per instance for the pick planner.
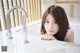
(24, 22)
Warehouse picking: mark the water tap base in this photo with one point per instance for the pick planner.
(10, 38)
(26, 41)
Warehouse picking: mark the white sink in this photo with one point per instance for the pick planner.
(36, 45)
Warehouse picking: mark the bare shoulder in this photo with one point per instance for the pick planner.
(71, 37)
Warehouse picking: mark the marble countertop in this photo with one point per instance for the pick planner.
(35, 45)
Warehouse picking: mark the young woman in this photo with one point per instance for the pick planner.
(55, 25)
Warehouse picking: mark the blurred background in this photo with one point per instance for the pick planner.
(35, 10)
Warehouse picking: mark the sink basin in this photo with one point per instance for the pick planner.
(35, 45)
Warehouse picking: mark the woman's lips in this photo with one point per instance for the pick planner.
(50, 30)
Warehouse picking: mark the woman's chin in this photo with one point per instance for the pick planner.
(51, 33)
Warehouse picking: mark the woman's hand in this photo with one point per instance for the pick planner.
(47, 37)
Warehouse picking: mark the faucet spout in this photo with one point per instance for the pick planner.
(24, 22)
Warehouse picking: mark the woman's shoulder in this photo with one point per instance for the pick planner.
(69, 32)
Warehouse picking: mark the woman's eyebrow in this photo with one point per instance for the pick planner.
(46, 19)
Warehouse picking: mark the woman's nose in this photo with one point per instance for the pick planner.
(50, 26)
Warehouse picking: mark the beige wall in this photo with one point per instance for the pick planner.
(72, 9)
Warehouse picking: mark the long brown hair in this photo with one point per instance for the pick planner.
(60, 17)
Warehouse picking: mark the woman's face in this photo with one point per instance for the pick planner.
(50, 25)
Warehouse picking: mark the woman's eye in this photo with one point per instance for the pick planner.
(47, 21)
(54, 22)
